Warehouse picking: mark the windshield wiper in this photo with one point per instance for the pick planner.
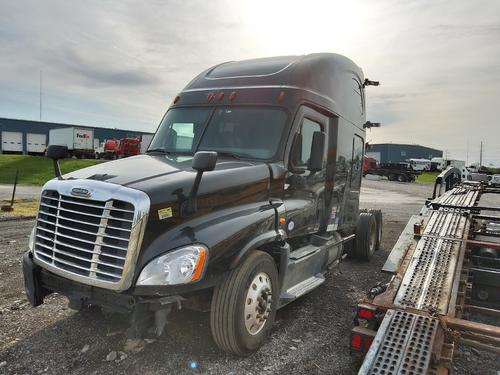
(228, 153)
(169, 152)
(161, 150)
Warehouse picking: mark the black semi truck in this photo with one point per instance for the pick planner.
(247, 196)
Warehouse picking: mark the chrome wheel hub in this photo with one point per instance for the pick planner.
(258, 303)
(373, 238)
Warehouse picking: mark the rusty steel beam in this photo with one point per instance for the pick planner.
(491, 245)
(494, 341)
(480, 346)
(466, 325)
(483, 310)
(486, 217)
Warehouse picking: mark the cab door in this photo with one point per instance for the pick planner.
(304, 198)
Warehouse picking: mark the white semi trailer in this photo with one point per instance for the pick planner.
(80, 141)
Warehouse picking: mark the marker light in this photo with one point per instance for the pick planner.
(362, 339)
(365, 314)
(181, 266)
(356, 341)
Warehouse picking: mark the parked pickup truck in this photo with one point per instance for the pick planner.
(247, 196)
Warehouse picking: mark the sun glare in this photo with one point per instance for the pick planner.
(292, 28)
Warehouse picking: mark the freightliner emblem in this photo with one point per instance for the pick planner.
(81, 192)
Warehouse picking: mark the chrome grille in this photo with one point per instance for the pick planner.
(83, 236)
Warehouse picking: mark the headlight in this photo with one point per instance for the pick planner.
(31, 242)
(182, 266)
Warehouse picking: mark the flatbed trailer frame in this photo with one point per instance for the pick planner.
(444, 265)
(393, 174)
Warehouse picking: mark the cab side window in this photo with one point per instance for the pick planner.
(302, 149)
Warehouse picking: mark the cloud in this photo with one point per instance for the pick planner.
(97, 74)
(120, 63)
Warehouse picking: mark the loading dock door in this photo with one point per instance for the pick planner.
(12, 142)
(36, 143)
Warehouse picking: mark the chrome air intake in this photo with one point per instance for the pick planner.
(90, 231)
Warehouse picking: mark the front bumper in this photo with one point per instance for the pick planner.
(39, 283)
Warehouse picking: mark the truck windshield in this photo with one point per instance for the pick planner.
(246, 132)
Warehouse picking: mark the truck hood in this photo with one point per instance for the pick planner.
(170, 178)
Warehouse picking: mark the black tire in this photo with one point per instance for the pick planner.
(229, 301)
(391, 177)
(366, 236)
(402, 178)
(380, 225)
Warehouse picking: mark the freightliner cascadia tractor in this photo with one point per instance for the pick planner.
(247, 196)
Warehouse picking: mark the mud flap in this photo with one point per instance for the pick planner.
(34, 291)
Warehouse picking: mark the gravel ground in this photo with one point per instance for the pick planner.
(309, 336)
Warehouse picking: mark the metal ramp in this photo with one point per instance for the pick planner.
(431, 287)
(403, 345)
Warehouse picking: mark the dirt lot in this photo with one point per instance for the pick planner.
(309, 336)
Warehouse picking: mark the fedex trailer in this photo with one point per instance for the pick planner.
(79, 141)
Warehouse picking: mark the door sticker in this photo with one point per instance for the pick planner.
(165, 213)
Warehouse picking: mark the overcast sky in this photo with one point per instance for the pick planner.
(120, 63)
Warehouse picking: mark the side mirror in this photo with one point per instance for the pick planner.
(203, 161)
(57, 152)
(317, 151)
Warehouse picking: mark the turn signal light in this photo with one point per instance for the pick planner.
(199, 265)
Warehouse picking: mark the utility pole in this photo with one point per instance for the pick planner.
(481, 155)
(40, 95)
(467, 155)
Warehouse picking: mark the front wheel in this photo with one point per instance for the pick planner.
(244, 305)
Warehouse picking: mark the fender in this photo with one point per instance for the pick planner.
(264, 238)
(229, 234)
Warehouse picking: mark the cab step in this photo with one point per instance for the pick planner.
(305, 286)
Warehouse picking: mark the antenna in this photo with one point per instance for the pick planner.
(467, 154)
(481, 155)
